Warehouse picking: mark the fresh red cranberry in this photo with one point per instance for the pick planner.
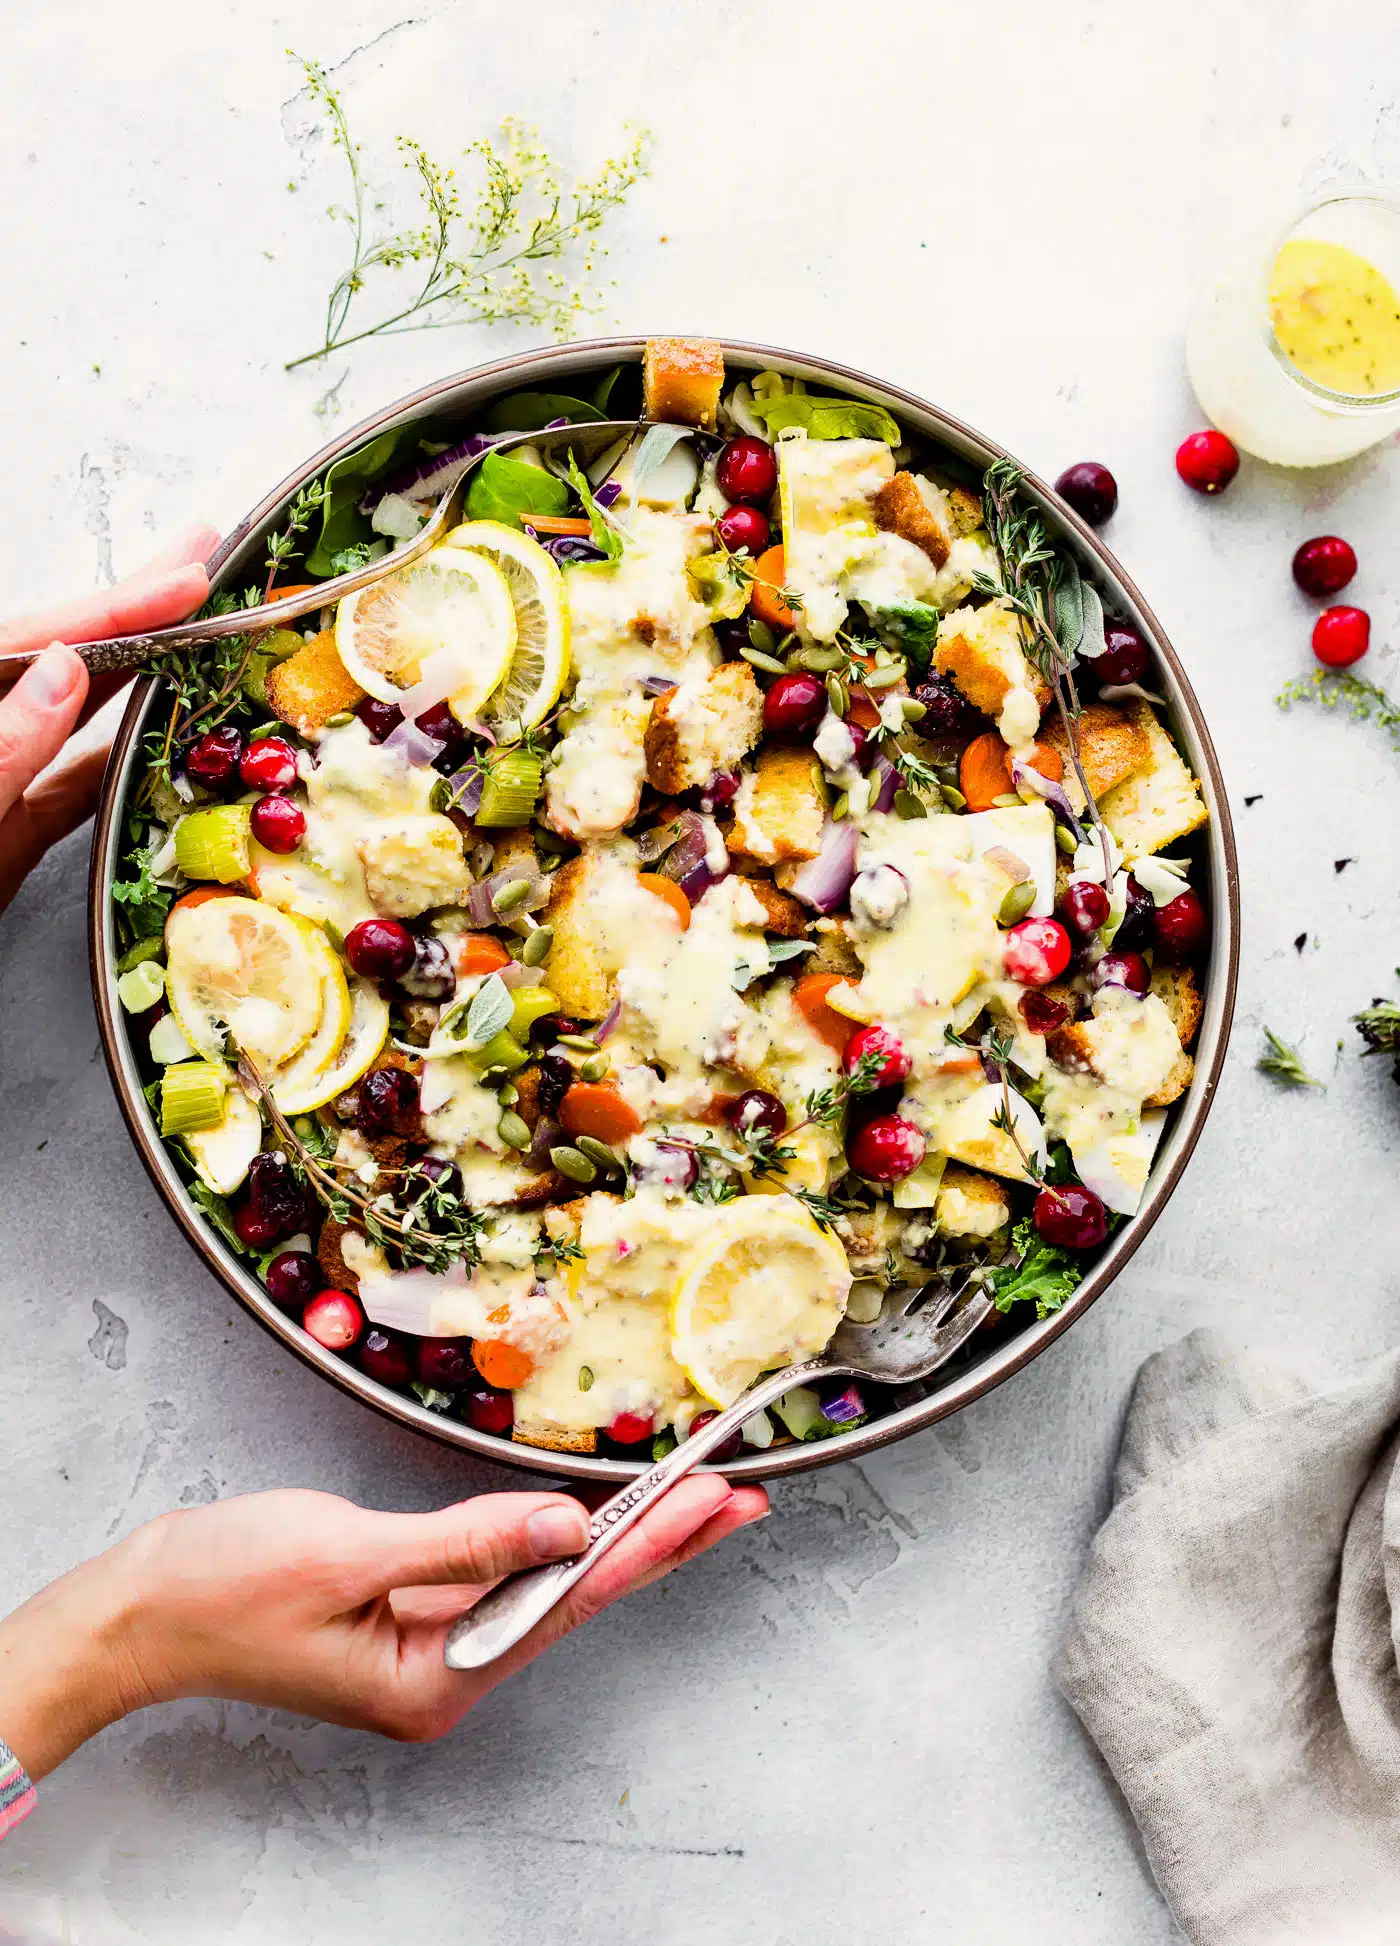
(747, 470)
(756, 1109)
(1036, 952)
(947, 712)
(386, 1095)
(379, 718)
(293, 1279)
(380, 949)
(630, 1427)
(269, 764)
(334, 1319)
(1324, 565)
(895, 1063)
(1041, 1014)
(1128, 970)
(444, 1175)
(1207, 461)
(1070, 1216)
(489, 1411)
(278, 824)
(444, 1362)
(1181, 928)
(1126, 658)
(1090, 489)
(1341, 636)
(432, 975)
(727, 1449)
(1085, 907)
(255, 1231)
(1136, 927)
(794, 705)
(885, 1149)
(743, 527)
(721, 791)
(276, 1195)
(384, 1356)
(214, 757)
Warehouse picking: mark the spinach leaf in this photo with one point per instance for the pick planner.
(1038, 1273)
(529, 411)
(914, 625)
(504, 489)
(342, 523)
(602, 391)
(827, 418)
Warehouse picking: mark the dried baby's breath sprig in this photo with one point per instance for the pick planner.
(1284, 1063)
(1366, 701)
(506, 258)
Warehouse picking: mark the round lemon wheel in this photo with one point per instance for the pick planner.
(224, 1153)
(765, 1288)
(300, 1088)
(238, 967)
(451, 603)
(300, 1076)
(540, 665)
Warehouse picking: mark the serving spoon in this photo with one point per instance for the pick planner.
(918, 1330)
(131, 651)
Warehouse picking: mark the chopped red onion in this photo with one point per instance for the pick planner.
(1115, 692)
(655, 843)
(546, 1136)
(1054, 794)
(886, 784)
(480, 910)
(413, 744)
(467, 786)
(698, 859)
(517, 974)
(608, 1022)
(433, 474)
(824, 881)
(845, 1406)
(657, 685)
(608, 493)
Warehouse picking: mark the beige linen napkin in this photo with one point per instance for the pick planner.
(1233, 1644)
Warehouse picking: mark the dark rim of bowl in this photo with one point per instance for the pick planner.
(1001, 1361)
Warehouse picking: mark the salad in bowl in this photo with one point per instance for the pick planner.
(745, 866)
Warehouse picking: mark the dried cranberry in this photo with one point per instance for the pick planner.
(1090, 489)
(384, 1356)
(895, 1063)
(733, 637)
(556, 1074)
(747, 469)
(1085, 907)
(794, 705)
(742, 527)
(444, 1175)
(1136, 926)
(1207, 461)
(275, 1194)
(255, 1232)
(727, 1449)
(293, 1279)
(386, 1096)
(1128, 970)
(439, 723)
(1126, 658)
(1070, 1217)
(1181, 928)
(1341, 636)
(432, 975)
(334, 1319)
(278, 824)
(269, 764)
(489, 1411)
(947, 712)
(214, 757)
(886, 1149)
(380, 949)
(379, 718)
(1036, 952)
(444, 1362)
(1041, 1014)
(720, 792)
(756, 1109)
(1324, 565)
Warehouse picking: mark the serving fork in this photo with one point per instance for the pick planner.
(918, 1330)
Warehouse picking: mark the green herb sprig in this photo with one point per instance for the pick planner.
(1366, 701)
(1284, 1063)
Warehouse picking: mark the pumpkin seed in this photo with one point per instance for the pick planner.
(906, 805)
(1007, 801)
(836, 695)
(510, 896)
(883, 678)
(820, 662)
(340, 719)
(536, 948)
(581, 1043)
(571, 1163)
(1016, 902)
(1066, 840)
(595, 1067)
(508, 1094)
(761, 637)
(914, 711)
(953, 797)
(585, 1378)
(513, 1130)
(768, 663)
(841, 806)
(608, 1160)
(440, 796)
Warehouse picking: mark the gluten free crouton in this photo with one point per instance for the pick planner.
(414, 862)
(554, 1439)
(1178, 992)
(1112, 746)
(903, 507)
(682, 379)
(1160, 802)
(969, 1204)
(781, 912)
(577, 974)
(964, 512)
(312, 686)
(703, 725)
(981, 649)
(780, 808)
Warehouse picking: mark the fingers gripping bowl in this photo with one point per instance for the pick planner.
(741, 868)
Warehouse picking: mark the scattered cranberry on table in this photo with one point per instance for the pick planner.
(380, 949)
(1041, 1014)
(334, 1319)
(747, 469)
(628, 1428)
(1207, 461)
(1341, 636)
(1128, 970)
(1126, 657)
(885, 1149)
(214, 757)
(384, 1356)
(1086, 906)
(269, 764)
(1036, 952)
(293, 1279)
(755, 1109)
(379, 718)
(489, 1411)
(895, 1062)
(1180, 928)
(795, 704)
(727, 1449)
(1324, 565)
(1070, 1217)
(443, 1362)
(743, 527)
(278, 824)
(1090, 489)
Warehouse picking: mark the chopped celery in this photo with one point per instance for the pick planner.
(800, 1411)
(151, 947)
(213, 844)
(530, 1004)
(511, 790)
(142, 986)
(503, 1050)
(192, 1097)
(168, 1042)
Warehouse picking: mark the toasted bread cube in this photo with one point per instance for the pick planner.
(330, 1255)
(835, 951)
(981, 649)
(1160, 802)
(1176, 988)
(682, 379)
(1113, 746)
(577, 975)
(703, 725)
(781, 912)
(969, 1204)
(902, 508)
(964, 512)
(867, 1236)
(1177, 1082)
(554, 1439)
(312, 686)
(535, 1191)
(414, 862)
(780, 808)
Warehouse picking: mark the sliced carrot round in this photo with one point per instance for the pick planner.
(296, 588)
(809, 997)
(667, 889)
(502, 1365)
(188, 901)
(984, 774)
(1045, 758)
(559, 524)
(596, 1108)
(766, 590)
(479, 952)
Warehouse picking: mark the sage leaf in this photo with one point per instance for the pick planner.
(656, 446)
(1092, 642)
(1069, 606)
(490, 1011)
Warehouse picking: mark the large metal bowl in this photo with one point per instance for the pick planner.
(465, 396)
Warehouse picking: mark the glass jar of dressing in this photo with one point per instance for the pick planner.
(1294, 353)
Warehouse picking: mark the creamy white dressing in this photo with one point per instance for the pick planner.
(680, 1006)
(828, 488)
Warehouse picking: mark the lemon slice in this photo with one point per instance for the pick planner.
(765, 1287)
(222, 1154)
(302, 1086)
(540, 666)
(299, 1076)
(452, 604)
(239, 967)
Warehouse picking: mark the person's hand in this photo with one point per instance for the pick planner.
(54, 696)
(302, 1601)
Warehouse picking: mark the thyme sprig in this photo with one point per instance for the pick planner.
(1284, 1063)
(996, 1047)
(496, 261)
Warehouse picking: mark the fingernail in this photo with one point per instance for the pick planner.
(556, 1531)
(51, 676)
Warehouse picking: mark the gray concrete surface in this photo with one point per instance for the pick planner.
(841, 1726)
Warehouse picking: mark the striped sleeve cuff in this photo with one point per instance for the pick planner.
(17, 1795)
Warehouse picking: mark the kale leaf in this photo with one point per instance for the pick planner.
(1037, 1273)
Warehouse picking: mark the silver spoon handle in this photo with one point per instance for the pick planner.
(513, 1607)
